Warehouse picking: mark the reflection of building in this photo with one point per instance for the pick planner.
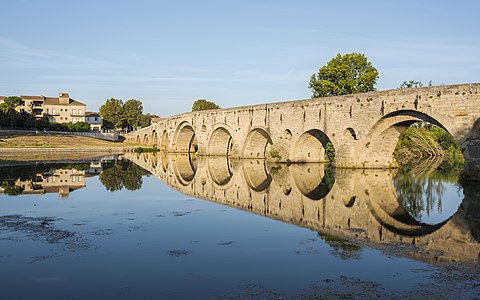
(61, 181)
(95, 121)
(60, 110)
(94, 170)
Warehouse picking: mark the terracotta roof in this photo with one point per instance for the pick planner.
(2, 98)
(32, 97)
(56, 101)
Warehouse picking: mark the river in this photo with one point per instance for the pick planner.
(156, 226)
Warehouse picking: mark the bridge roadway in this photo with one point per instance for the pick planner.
(359, 204)
(364, 128)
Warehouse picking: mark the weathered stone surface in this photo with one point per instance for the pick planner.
(364, 128)
(472, 161)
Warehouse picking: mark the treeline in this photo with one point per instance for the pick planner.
(11, 118)
(119, 115)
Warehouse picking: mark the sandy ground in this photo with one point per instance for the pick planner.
(57, 141)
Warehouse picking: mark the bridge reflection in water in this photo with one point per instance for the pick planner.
(353, 204)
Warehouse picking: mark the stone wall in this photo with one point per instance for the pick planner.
(364, 128)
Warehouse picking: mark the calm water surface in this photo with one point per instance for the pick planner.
(177, 227)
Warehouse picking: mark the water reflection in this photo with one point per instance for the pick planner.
(120, 174)
(114, 172)
(423, 188)
(370, 205)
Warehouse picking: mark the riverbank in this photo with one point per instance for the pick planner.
(58, 144)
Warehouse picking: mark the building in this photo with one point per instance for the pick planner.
(95, 121)
(60, 110)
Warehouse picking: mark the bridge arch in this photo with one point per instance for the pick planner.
(221, 141)
(256, 143)
(185, 139)
(310, 147)
(382, 138)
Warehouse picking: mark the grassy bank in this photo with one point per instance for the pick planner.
(59, 141)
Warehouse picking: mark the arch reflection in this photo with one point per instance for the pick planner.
(313, 180)
(220, 170)
(185, 166)
(361, 204)
(256, 175)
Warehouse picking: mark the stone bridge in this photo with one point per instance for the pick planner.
(355, 204)
(364, 128)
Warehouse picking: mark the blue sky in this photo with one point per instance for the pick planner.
(169, 53)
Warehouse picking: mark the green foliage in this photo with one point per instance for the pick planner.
(202, 104)
(133, 113)
(122, 173)
(344, 74)
(420, 183)
(427, 140)
(275, 169)
(144, 150)
(146, 120)
(275, 154)
(330, 175)
(411, 84)
(113, 113)
(329, 151)
(78, 126)
(10, 117)
(11, 189)
(10, 103)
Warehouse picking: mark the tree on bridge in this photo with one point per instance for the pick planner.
(202, 104)
(411, 84)
(344, 74)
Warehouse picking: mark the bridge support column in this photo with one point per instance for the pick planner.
(472, 161)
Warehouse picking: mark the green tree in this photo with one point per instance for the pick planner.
(133, 112)
(8, 115)
(202, 104)
(344, 74)
(411, 84)
(146, 119)
(10, 103)
(113, 113)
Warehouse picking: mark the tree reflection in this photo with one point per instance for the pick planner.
(420, 185)
(122, 173)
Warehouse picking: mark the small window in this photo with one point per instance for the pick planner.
(74, 111)
(80, 112)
